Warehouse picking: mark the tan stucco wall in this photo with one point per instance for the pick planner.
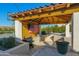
(25, 31)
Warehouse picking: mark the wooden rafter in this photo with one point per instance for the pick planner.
(51, 20)
(70, 10)
(44, 9)
(65, 17)
(57, 14)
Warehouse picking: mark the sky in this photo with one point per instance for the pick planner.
(8, 8)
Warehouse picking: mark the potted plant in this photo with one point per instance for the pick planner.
(43, 32)
(30, 43)
(62, 46)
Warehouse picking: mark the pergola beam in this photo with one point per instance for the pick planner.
(53, 20)
(52, 13)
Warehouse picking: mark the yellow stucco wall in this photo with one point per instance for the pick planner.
(25, 31)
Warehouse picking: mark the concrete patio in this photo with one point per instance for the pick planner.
(42, 51)
(41, 48)
(51, 51)
(49, 47)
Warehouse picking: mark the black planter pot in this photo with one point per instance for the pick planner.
(62, 47)
(31, 46)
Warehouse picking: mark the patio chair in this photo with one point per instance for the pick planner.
(52, 38)
(43, 38)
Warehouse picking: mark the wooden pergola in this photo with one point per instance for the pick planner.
(52, 14)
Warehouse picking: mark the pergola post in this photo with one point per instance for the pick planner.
(76, 31)
(67, 31)
(18, 29)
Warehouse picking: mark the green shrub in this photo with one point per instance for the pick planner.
(1, 42)
(1, 32)
(54, 29)
(43, 32)
(9, 42)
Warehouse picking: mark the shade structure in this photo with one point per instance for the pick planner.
(53, 14)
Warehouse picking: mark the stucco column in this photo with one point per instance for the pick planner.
(75, 31)
(67, 31)
(18, 29)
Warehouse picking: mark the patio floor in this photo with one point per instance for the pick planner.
(51, 51)
(47, 48)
